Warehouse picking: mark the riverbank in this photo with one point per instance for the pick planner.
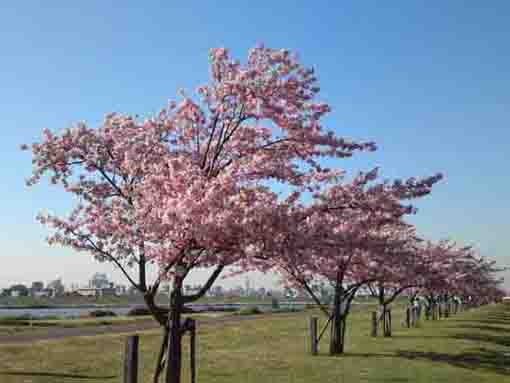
(43, 329)
(471, 347)
(115, 301)
(10, 326)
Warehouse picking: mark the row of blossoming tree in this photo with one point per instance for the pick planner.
(193, 188)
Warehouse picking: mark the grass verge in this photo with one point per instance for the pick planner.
(471, 347)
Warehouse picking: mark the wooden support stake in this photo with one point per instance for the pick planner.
(408, 317)
(374, 323)
(192, 350)
(131, 360)
(390, 324)
(313, 336)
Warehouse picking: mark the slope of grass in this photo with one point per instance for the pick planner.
(16, 325)
(470, 347)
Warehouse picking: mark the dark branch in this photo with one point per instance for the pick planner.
(206, 287)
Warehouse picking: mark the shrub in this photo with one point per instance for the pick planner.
(287, 310)
(101, 313)
(221, 309)
(252, 310)
(138, 311)
(143, 311)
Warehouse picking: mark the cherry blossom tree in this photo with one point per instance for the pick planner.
(451, 272)
(187, 188)
(397, 267)
(334, 239)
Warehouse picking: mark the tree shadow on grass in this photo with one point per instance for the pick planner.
(485, 321)
(54, 375)
(484, 328)
(499, 317)
(482, 359)
(495, 339)
(475, 337)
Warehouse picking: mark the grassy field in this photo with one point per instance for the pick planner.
(10, 326)
(468, 348)
(13, 326)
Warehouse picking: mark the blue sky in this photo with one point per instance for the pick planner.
(429, 83)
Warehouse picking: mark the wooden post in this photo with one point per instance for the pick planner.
(390, 325)
(313, 336)
(131, 360)
(374, 323)
(408, 317)
(192, 350)
(387, 323)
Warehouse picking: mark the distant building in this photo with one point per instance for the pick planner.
(120, 290)
(37, 286)
(43, 293)
(217, 291)
(95, 292)
(132, 290)
(261, 292)
(99, 281)
(19, 290)
(57, 286)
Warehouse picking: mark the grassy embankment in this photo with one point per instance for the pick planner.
(16, 325)
(470, 347)
(10, 326)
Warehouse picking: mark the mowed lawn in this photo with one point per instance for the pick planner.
(470, 347)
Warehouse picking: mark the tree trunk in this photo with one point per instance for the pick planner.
(174, 353)
(161, 356)
(337, 340)
(161, 316)
(337, 344)
(386, 314)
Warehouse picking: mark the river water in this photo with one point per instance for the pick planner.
(75, 312)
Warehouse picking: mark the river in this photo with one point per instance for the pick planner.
(75, 312)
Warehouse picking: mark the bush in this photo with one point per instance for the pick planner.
(138, 311)
(220, 309)
(27, 320)
(287, 310)
(143, 311)
(101, 313)
(252, 310)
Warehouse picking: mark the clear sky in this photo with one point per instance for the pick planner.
(428, 81)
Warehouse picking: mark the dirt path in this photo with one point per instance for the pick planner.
(54, 333)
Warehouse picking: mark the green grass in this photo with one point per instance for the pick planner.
(468, 348)
(17, 325)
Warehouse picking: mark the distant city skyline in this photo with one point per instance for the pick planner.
(74, 265)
